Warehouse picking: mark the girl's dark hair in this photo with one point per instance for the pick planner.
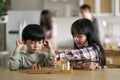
(85, 26)
(33, 32)
(47, 22)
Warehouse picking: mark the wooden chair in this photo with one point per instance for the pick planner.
(113, 58)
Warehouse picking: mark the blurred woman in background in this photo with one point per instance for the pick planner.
(49, 27)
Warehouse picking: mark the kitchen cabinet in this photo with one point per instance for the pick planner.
(62, 7)
(69, 8)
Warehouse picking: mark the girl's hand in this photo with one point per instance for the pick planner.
(19, 45)
(90, 65)
(47, 44)
(67, 51)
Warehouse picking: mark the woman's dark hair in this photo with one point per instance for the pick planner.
(85, 26)
(46, 20)
(33, 32)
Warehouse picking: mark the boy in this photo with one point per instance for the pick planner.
(33, 38)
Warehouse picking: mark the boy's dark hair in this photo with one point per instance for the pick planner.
(85, 26)
(33, 32)
(85, 7)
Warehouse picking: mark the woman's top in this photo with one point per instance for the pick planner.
(51, 33)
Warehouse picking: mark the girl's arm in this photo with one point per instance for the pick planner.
(86, 54)
(86, 58)
(89, 65)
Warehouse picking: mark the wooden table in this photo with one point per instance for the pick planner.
(104, 74)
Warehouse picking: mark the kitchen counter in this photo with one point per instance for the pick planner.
(112, 52)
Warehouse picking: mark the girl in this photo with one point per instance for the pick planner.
(88, 52)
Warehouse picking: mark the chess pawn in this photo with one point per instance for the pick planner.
(68, 65)
(65, 65)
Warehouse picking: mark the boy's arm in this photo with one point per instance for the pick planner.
(51, 53)
(46, 58)
(48, 45)
(14, 61)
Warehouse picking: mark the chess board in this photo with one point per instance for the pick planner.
(49, 71)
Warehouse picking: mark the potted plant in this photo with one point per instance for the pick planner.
(3, 10)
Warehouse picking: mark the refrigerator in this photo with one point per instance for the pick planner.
(17, 20)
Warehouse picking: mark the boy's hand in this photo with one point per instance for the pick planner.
(19, 45)
(55, 62)
(90, 65)
(47, 44)
(36, 66)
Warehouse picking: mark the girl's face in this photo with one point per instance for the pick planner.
(80, 40)
(34, 46)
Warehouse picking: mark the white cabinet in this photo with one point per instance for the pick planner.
(62, 7)
(69, 8)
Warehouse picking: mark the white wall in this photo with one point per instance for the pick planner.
(64, 38)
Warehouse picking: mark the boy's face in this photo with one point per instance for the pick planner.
(80, 40)
(33, 46)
